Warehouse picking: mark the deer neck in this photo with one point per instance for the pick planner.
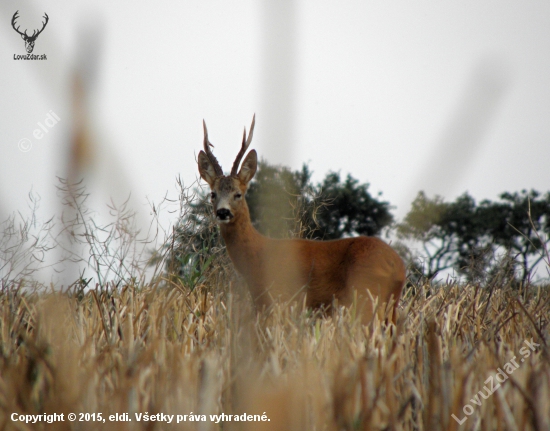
(245, 245)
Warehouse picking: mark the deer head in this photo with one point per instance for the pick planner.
(29, 40)
(227, 191)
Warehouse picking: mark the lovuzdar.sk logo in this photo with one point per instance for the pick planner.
(29, 39)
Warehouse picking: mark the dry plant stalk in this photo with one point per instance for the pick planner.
(159, 350)
(131, 347)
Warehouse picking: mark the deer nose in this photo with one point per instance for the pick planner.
(223, 214)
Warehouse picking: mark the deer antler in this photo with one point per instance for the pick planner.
(34, 34)
(15, 16)
(43, 26)
(217, 168)
(244, 147)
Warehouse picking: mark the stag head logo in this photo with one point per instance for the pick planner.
(29, 40)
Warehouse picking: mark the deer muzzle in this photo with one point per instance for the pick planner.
(224, 215)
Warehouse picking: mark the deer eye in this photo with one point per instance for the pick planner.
(213, 195)
(238, 195)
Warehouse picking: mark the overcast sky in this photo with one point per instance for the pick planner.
(444, 97)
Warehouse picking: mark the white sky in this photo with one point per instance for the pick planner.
(445, 97)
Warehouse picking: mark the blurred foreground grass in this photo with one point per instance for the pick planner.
(173, 351)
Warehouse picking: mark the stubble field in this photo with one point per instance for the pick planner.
(206, 358)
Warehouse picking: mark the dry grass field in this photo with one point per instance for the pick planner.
(167, 350)
(190, 352)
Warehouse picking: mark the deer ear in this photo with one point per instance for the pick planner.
(206, 169)
(248, 168)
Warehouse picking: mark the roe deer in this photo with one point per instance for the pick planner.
(351, 270)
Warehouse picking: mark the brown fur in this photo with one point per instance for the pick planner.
(351, 270)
